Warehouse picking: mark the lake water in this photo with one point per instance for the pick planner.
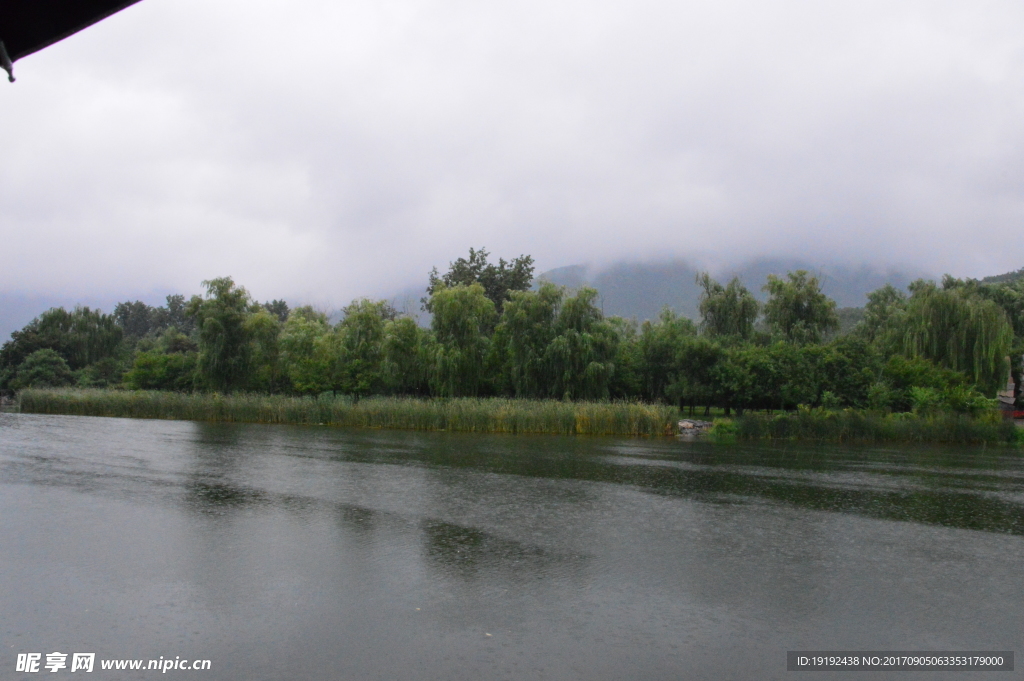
(281, 552)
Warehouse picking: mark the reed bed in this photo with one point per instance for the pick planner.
(863, 426)
(484, 415)
(498, 415)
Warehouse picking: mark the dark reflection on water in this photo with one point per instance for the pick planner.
(920, 496)
(358, 518)
(465, 551)
(318, 553)
(981, 489)
(203, 496)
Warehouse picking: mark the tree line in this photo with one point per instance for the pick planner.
(493, 332)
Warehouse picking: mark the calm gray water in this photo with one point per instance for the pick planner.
(282, 552)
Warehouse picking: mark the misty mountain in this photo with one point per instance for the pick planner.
(628, 289)
(641, 290)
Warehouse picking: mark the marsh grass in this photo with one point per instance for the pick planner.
(487, 415)
(864, 426)
(498, 415)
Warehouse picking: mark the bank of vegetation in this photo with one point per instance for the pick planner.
(496, 339)
(463, 414)
(864, 426)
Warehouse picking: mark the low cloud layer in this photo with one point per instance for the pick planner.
(323, 150)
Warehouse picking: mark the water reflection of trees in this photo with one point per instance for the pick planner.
(954, 488)
(464, 551)
(218, 497)
(903, 499)
(362, 520)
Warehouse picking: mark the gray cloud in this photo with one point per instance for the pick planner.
(325, 150)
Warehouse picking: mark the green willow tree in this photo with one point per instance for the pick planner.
(266, 370)
(729, 310)
(406, 357)
(659, 349)
(88, 341)
(308, 351)
(628, 361)
(581, 354)
(361, 345)
(81, 337)
(463, 317)
(958, 329)
(883, 314)
(522, 337)
(933, 350)
(223, 341)
(797, 309)
(139, 320)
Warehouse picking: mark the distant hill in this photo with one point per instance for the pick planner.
(630, 289)
(641, 290)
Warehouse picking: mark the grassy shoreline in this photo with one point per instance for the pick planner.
(486, 415)
(852, 425)
(501, 415)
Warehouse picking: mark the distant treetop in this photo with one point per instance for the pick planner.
(497, 280)
(1007, 278)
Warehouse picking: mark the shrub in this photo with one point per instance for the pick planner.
(156, 371)
(43, 369)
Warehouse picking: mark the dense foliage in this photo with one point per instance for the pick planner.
(938, 348)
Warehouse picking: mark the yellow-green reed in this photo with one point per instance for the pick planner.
(483, 415)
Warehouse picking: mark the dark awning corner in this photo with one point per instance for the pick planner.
(27, 26)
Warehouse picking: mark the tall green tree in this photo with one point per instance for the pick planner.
(309, 351)
(729, 310)
(223, 340)
(407, 356)
(523, 335)
(84, 336)
(628, 361)
(882, 315)
(958, 329)
(497, 280)
(849, 367)
(798, 372)
(660, 345)
(361, 342)
(463, 317)
(581, 355)
(278, 308)
(732, 380)
(267, 372)
(81, 337)
(136, 318)
(139, 320)
(177, 316)
(694, 381)
(797, 309)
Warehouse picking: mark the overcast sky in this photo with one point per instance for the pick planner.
(323, 150)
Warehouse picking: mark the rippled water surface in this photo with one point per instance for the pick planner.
(283, 552)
